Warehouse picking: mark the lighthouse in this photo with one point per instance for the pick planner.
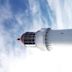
(46, 37)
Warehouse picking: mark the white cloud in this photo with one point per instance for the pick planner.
(7, 50)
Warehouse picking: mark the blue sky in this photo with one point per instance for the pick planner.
(19, 5)
(19, 16)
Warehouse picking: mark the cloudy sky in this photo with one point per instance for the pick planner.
(19, 16)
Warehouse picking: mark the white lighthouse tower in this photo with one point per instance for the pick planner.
(46, 37)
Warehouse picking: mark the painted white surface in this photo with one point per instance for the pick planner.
(60, 36)
(54, 37)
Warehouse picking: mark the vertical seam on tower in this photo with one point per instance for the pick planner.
(46, 39)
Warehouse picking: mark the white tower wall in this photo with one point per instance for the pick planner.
(46, 37)
(60, 36)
